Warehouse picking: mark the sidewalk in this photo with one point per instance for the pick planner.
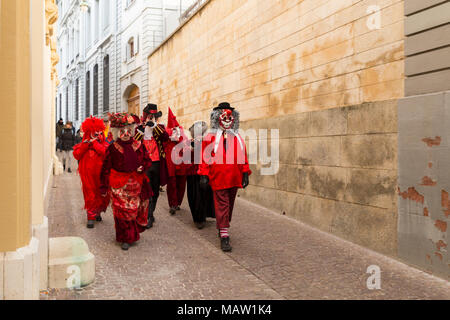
(273, 257)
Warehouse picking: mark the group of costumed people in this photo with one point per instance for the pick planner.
(145, 155)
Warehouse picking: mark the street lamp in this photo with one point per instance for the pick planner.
(84, 5)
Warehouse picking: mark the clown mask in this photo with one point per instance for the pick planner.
(125, 134)
(226, 120)
(97, 136)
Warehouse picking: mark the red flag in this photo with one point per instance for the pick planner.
(172, 120)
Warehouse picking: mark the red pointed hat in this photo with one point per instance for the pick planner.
(172, 120)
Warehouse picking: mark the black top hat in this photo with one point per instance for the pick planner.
(153, 110)
(223, 106)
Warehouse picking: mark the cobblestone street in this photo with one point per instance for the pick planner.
(273, 257)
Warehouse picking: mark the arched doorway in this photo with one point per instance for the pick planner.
(133, 100)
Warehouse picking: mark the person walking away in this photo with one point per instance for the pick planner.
(66, 143)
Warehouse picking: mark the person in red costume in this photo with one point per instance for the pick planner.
(154, 136)
(123, 174)
(90, 154)
(176, 183)
(224, 166)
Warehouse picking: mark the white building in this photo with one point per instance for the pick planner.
(144, 24)
(104, 45)
(88, 45)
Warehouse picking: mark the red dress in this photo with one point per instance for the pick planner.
(90, 157)
(176, 182)
(129, 188)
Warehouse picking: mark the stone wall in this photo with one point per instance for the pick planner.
(325, 77)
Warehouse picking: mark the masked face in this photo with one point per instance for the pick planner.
(226, 120)
(125, 134)
(97, 135)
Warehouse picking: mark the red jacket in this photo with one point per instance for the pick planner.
(224, 174)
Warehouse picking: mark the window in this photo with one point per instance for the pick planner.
(106, 84)
(95, 90)
(77, 100)
(88, 29)
(106, 13)
(97, 20)
(131, 48)
(67, 103)
(88, 94)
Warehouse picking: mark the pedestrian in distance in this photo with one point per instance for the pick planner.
(65, 146)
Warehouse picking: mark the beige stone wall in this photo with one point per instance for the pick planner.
(293, 65)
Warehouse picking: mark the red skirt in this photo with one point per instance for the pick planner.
(130, 209)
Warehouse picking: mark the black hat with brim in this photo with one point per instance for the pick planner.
(153, 110)
(224, 106)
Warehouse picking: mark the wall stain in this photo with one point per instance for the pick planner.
(412, 194)
(441, 225)
(427, 181)
(432, 142)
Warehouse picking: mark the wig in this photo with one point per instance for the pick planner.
(92, 125)
(215, 115)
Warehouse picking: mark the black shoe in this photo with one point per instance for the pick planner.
(69, 171)
(225, 244)
(99, 219)
(200, 225)
(125, 246)
(149, 224)
(173, 210)
(90, 224)
(178, 208)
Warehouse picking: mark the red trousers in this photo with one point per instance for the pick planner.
(176, 187)
(224, 204)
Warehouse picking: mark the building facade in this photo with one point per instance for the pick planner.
(87, 44)
(144, 24)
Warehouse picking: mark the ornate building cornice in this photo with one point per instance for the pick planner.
(51, 16)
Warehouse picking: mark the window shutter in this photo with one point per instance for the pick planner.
(136, 43)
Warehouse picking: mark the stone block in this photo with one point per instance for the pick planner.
(370, 227)
(40, 232)
(325, 182)
(292, 177)
(373, 117)
(323, 151)
(317, 212)
(329, 122)
(378, 151)
(21, 273)
(427, 19)
(67, 255)
(376, 188)
(287, 151)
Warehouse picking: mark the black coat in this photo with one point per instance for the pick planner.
(67, 140)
